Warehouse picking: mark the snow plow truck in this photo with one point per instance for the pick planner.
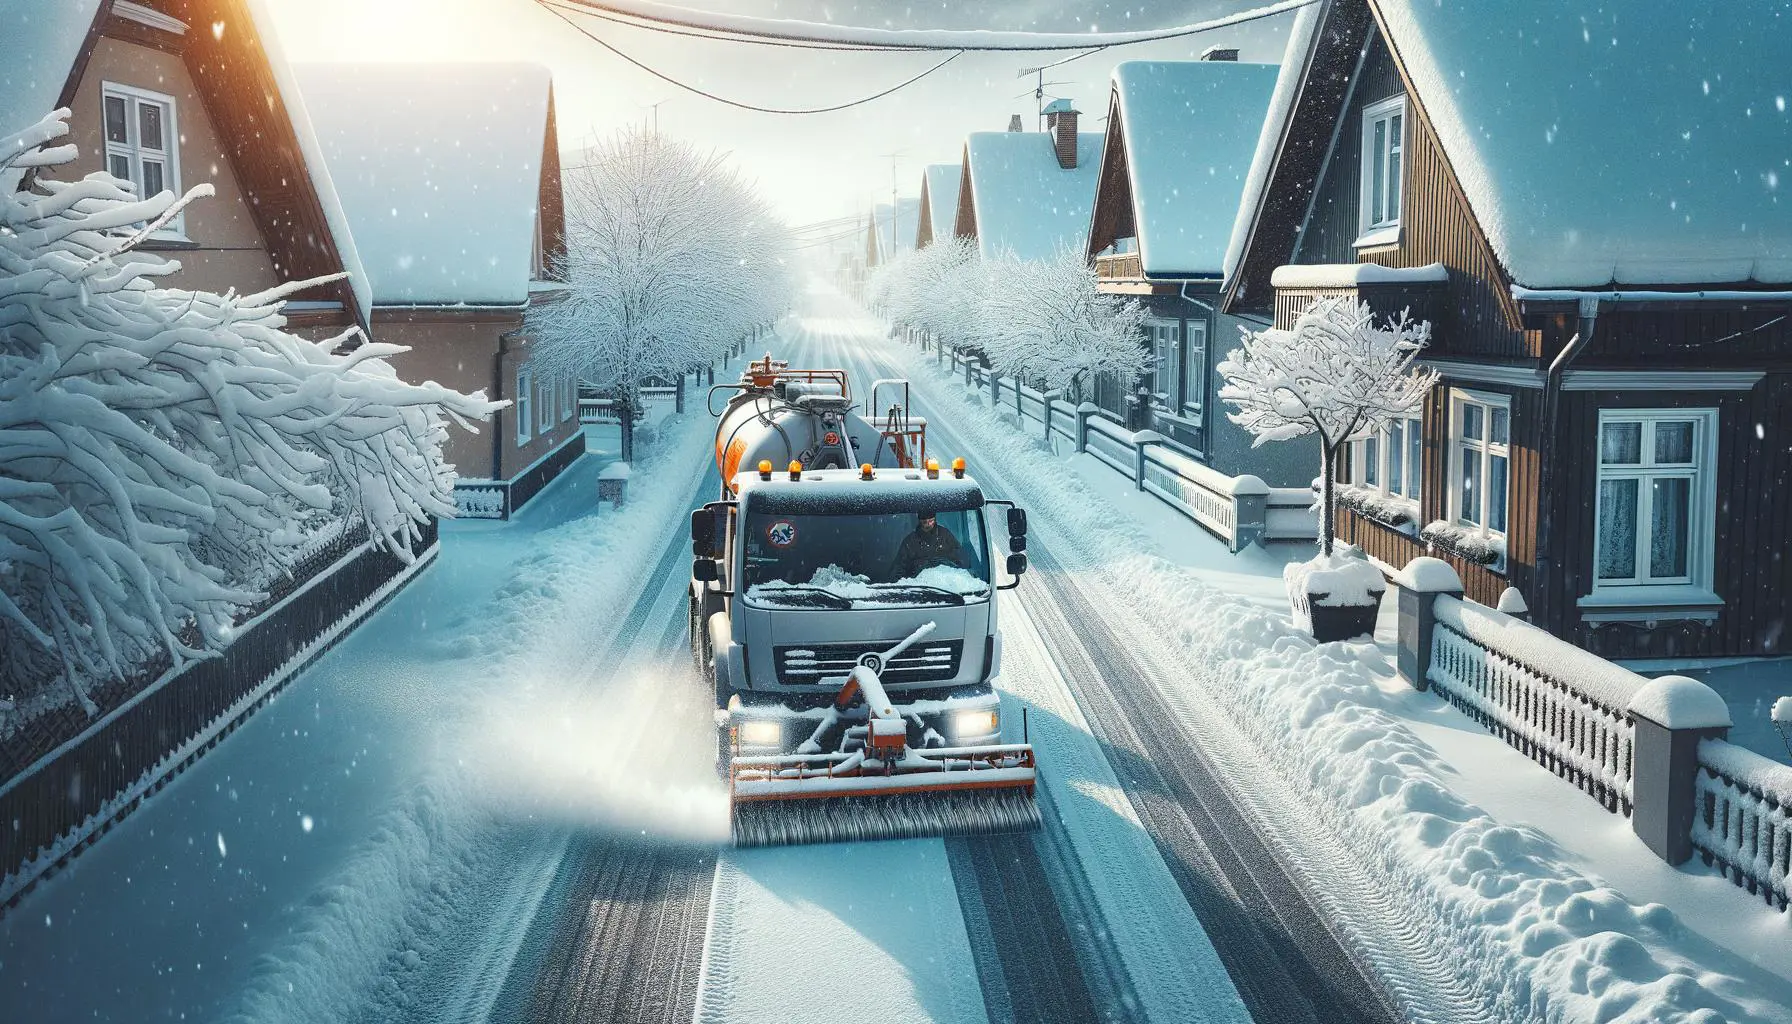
(843, 604)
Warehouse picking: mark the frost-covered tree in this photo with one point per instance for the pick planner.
(162, 451)
(671, 257)
(1044, 321)
(1335, 374)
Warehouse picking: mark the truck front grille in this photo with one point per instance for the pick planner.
(925, 662)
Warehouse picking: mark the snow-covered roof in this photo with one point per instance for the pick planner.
(38, 45)
(1025, 203)
(439, 168)
(942, 198)
(1646, 142)
(1301, 36)
(1190, 130)
(908, 218)
(316, 165)
(1349, 275)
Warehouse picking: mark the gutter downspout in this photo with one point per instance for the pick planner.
(497, 396)
(1546, 496)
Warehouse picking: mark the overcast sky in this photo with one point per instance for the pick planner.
(811, 167)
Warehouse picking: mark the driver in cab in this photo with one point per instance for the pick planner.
(929, 545)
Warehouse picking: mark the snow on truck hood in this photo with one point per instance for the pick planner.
(865, 594)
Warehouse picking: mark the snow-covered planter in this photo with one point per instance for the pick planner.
(1336, 596)
(1464, 542)
(1399, 513)
(1336, 375)
(479, 502)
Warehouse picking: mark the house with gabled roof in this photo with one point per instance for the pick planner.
(939, 204)
(1028, 193)
(450, 175)
(1180, 142)
(156, 92)
(1587, 207)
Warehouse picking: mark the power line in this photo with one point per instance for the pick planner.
(593, 11)
(668, 79)
(743, 28)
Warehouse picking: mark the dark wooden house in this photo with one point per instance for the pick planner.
(1592, 219)
(1178, 151)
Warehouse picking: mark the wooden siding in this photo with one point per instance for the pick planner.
(1389, 545)
(1299, 153)
(1752, 568)
(1112, 218)
(1702, 336)
(1479, 317)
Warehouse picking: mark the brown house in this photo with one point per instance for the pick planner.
(174, 93)
(1597, 235)
(450, 174)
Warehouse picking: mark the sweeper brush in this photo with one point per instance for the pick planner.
(883, 789)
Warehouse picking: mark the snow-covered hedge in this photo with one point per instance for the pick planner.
(1465, 541)
(164, 453)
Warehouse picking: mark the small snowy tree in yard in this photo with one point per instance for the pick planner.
(671, 258)
(1336, 375)
(1043, 321)
(164, 453)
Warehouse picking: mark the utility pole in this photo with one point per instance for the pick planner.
(893, 192)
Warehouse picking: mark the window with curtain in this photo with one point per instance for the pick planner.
(1388, 460)
(1194, 370)
(1653, 519)
(1480, 460)
(140, 140)
(1383, 153)
(1162, 335)
(525, 396)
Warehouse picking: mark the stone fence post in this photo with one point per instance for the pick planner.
(1046, 399)
(1140, 439)
(1419, 584)
(1083, 413)
(1670, 716)
(1250, 511)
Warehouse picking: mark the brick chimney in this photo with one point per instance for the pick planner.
(1014, 124)
(1060, 121)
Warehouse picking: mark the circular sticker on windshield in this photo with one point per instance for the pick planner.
(781, 533)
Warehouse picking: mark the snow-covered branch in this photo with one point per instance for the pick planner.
(161, 450)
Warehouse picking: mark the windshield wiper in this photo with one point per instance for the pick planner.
(924, 586)
(772, 593)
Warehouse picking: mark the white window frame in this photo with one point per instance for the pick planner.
(1194, 368)
(1386, 230)
(1485, 449)
(1701, 541)
(133, 151)
(1164, 399)
(1385, 456)
(545, 414)
(525, 397)
(567, 404)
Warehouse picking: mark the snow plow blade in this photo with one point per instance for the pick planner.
(792, 799)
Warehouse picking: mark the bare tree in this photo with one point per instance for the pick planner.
(671, 258)
(163, 451)
(1334, 374)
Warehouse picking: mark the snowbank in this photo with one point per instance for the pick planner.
(1345, 577)
(1782, 710)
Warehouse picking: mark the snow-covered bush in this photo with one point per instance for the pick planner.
(163, 452)
(1045, 322)
(1466, 542)
(1041, 321)
(671, 258)
(1334, 374)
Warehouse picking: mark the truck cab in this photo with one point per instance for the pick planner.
(802, 574)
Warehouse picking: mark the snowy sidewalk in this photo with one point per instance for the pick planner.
(1566, 908)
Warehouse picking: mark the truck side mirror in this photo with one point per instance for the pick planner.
(1017, 542)
(1017, 564)
(703, 570)
(1017, 522)
(703, 532)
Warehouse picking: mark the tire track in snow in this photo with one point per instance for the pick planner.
(1374, 928)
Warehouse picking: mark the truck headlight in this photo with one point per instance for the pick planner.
(976, 723)
(761, 732)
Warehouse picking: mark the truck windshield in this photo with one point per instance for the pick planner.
(866, 561)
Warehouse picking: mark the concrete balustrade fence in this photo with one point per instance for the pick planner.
(1238, 510)
(1653, 750)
